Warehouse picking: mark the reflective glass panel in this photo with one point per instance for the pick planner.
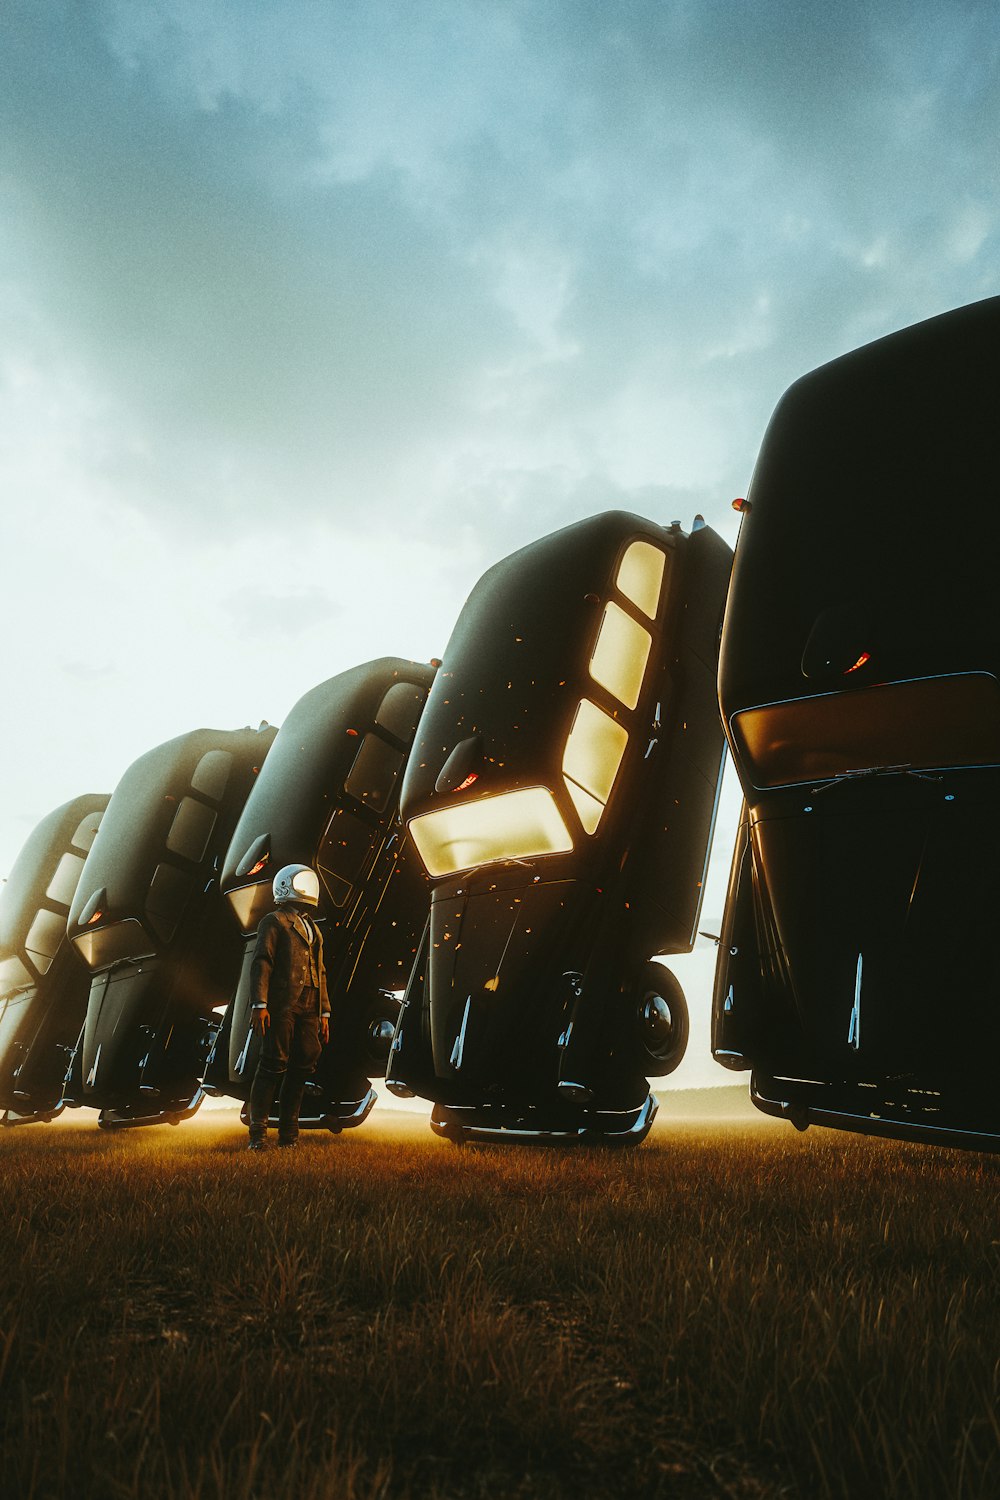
(514, 825)
(400, 709)
(169, 890)
(640, 576)
(373, 774)
(62, 886)
(346, 845)
(84, 836)
(212, 773)
(13, 975)
(250, 903)
(104, 946)
(44, 936)
(620, 655)
(594, 750)
(191, 829)
(932, 723)
(588, 808)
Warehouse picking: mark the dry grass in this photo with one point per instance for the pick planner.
(727, 1312)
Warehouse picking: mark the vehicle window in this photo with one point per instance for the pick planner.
(620, 655)
(13, 975)
(591, 759)
(84, 836)
(400, 709)
(345, 847)
(109, 945)
(249, 904)
(373, 774)
(212, 773)
(512, 825)
(65, 879)
(168, 892)
(44, 936)
(931, 723)
(640, 576)
(191, 829)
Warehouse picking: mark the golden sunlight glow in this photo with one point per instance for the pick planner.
(640, 576)
(513, 825)
(620, 656)
(594, 750)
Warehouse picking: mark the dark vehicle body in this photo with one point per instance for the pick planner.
(328, 797)
(562, 794)
(859, 976)
(43, 985)
(149, 922)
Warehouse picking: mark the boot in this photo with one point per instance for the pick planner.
(289, 1104)
(261, 1103)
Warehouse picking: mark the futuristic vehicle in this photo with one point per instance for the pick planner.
(859, 977)
(149, 923)
(43, 985)
(562, 794)
(328, 797)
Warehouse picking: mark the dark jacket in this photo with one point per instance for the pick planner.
(284, 964)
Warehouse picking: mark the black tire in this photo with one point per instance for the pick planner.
(661, 1020)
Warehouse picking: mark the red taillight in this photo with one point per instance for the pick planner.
(353, 733)
(258, 866)
(463, 786)
(865, 656)
(741, 505)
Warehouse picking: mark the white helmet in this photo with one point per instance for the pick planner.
(296, 883)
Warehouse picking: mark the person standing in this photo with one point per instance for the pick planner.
(291, 1008)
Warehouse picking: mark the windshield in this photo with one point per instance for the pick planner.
(931, 723)
(513, 825)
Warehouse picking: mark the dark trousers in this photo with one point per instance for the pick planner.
(288, 1055)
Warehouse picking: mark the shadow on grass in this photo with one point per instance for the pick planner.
(733, 1311)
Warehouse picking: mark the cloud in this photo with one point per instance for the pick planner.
(384, 261)
(397, 288)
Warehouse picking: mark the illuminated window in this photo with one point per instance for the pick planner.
(211, 774)
(62, 886)
(594, 750)
(400, 709)
(250, 903)
(513, 825)
(620, 655)
(44, 936)
(191, 830)
(588, 808)
(640, 576)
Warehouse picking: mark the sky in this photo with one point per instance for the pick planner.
(309, 312)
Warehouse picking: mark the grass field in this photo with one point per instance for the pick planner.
(732, 1310)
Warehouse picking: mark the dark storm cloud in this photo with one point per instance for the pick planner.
(511, 261)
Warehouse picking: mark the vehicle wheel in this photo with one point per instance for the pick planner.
(661, 1021)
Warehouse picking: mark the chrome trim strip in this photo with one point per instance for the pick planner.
(854, 1026)
(459, 1048)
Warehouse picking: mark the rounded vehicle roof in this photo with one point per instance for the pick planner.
(873, 494)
